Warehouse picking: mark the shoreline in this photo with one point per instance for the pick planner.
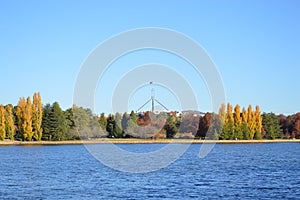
(144, 141)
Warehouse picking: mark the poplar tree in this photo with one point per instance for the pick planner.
(24, 114)
(125, 118)
(118, 132)
(258, 123)
(103, 122)
(20, 112)
(9, 122)
(2, 123)
(28, 120)
(222, 114)
(227, 132)
(238, 131)
(132, 125)
(37, 115)
(222, 119)
(251, 122)
(245, 124)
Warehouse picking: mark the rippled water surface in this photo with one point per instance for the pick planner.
(230, 171)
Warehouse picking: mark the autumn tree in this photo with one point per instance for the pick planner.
(2, 123)
(9, 122)
(222, 119)
(24, 114)
(258, 123)
(238, 129)
(251, 122)
(204, 124)
(245, 128)
(37, 116)
(228, 128)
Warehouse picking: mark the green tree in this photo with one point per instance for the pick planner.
(46, 125)
(271, 126)
(110, 125)
(125, 119)
(118, 132)
(131, 125)
(171, 126)
(58, 123)
(72, 133)
(171, 130)
(103, 122)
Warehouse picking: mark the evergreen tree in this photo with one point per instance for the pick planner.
(171, 126)
(71, 133)
(110, 125)
(171, 130)
(58, 123)
(2, 123)
(9, 122)
(46, 126)
(54, 123)
(271, 126)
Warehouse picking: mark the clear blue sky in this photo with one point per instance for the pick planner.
(255, 45)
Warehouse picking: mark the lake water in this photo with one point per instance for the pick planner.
(230, 171)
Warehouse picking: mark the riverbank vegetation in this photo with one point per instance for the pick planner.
(31, 121)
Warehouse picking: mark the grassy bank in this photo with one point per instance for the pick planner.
(142, 141)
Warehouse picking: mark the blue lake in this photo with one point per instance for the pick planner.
(230, 171)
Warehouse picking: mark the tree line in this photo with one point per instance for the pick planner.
(29, 120)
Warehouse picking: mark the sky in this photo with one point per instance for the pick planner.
(254, 44)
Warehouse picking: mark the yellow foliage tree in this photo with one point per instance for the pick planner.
(10, 122)
(24, 114)
(238, 132)
(222, 114)
(2, 123)
(245, 124)
(258, 123)
(251, 122)
(37, 115)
